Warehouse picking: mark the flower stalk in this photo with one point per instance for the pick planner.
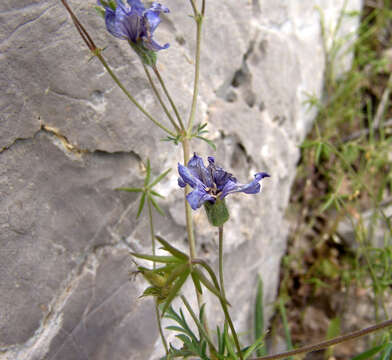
(199, 21)
(173, 105)
(158, 95)
(98, 53)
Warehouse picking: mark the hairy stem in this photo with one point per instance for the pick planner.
(328, 343)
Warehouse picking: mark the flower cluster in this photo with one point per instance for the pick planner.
(133, 22)
(212, 183)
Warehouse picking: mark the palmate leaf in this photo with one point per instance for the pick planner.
(159, 178)
(192, 345)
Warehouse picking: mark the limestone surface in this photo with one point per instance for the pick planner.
(69, 137)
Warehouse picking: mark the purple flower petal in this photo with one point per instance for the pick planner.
(197, 168)
(198, 197)
(188, 177)
(133, 22)
(213, 182)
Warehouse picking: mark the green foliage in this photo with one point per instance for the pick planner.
(346, 174)
(199, 131)
(259, 317)
(192, 344)
(147, 190)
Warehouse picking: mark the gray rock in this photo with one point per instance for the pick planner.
(69, 138)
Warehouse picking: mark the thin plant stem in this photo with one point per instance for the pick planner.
(324, 344)
(221, 281)
(130, 97)
(188, 211)
(160, 328)
(173, 105)
(199, 20)
(194, 7)
(97, 52)
(199, 326)
(156, 92)
(152, 232)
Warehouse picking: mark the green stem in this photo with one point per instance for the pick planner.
(199, 20)
(160, 329)
(156, 92)
(188, 210)
(173, 105)
(152, 232)
(130, 97)
(328, 343)
(199, 326)
(221, 281)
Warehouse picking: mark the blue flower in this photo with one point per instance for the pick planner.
(212, 183)
(134, 22)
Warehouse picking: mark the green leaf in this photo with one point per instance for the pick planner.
(141, 205)
(208, 284)
(229, 344)
(176, 139)
(171, 249)
(177, 271)
(148, 173)
(155, 204)
(387, 354)
(370, 353)
(159, 178)
(152, 192)
(209, 142)
(286, 328)
(259, 317)
(221, 341)
(256, 346)
(333, 328)
(129, 189)
(175, 289)
(196, 282)
(160, 259)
